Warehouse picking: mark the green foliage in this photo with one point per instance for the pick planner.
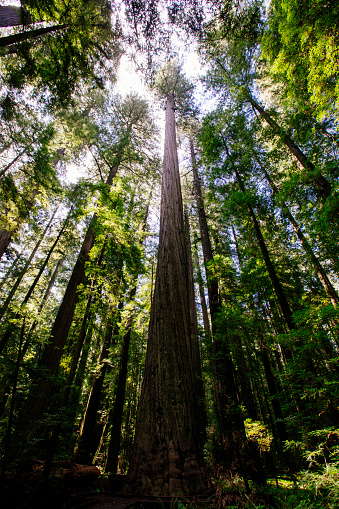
(256, 430)
(171, 82)
(56, 62)
(301, 46)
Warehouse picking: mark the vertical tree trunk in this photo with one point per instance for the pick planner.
(166, 459)
(203, 304)
(279, 417)
(243, 381)
(200, 391)
(230, 421)
(115, 418)
(87, 444)
(284, 306)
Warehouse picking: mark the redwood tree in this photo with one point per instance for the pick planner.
(166, 458)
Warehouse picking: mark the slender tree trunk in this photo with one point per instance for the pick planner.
(166, 459)
(2, 172)
(231, 425)
(87, 444)
(40, 394)
(212, 283)
(284, 306)
(26, 266)
(29, 34)
(279, 417)
(321, 273)
(323, 187)
(9, 330)
(115, 418)
(205, 318)
(236, 245)
(243, 379)
(200, 391)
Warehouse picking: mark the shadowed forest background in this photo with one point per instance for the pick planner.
(169, 256)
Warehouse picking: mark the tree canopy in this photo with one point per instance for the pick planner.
(169, 302)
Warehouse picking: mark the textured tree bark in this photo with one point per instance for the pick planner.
(200, 391)
(166, 460)
(323, 187)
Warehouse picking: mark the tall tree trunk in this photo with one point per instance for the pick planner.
(115, 418)
(40, 393)
(274, 394)
(200, 391)
(243, 372)
(323, 187)
(166, 459)
(231, 425)
(203, 304)
(321, 273)
(284, 306)
(87, 444)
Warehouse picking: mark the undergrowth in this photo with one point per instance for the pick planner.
(314, 486)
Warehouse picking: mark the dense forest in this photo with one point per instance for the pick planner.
(169, 302)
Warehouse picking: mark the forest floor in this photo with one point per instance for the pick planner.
(30, 491)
